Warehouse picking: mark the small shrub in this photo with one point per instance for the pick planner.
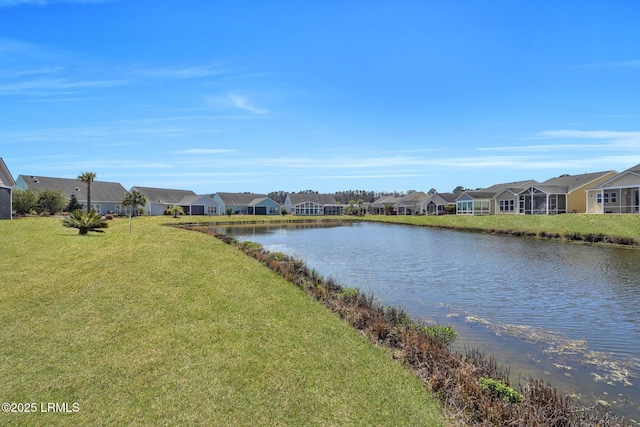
(444, 334)
(501, 390)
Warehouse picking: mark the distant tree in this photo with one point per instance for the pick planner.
(88, 178)
(73, 204)
(308, 192)
(134, 199)
(51, 201)
(459, 190)
(411, 191)
(360, 202)
(278, 196)
(85, 221)
(432, 191)
(175, 210)
(24, 201)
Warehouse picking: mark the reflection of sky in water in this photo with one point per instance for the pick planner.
(574, 310)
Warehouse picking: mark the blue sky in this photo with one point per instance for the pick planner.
(327, 95)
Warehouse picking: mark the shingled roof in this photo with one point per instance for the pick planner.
(164, 195)
(320, 199)
(101, 191)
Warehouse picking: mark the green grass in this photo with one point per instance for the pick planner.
(611, 225)
(171, 327)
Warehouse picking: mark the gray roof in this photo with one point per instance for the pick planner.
(445, 197)
(385, 200)
(190, 199)
(574, 182)
(101, 191)
(496, 188)
(549, 189)
(321, 199)
(6, 180)
(478, 194)
(241, 199)
(416, 196)
(634, 169)
(164, 195)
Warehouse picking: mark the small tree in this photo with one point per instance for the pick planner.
(229, 211)
(175, 210)
(85, 221)
(24, 201)
(73, 205)
(133, 199)
(51, 201)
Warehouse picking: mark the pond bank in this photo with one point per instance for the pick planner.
(455, 379)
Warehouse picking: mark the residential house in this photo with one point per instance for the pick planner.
(105, 196)
(246, 203)
(160, 199)
(312, 204)
(439, 203)
(411, 204)
(6, 184)
(619, 194)
(384, 205)
(475, 202)
(566, 193)
(499, 198)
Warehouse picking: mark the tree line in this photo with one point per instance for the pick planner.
(347, 196)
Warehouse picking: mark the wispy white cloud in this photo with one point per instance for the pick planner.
(40, 86)
(592, 140)
(178, 73)
(242, 102)
(205, 151)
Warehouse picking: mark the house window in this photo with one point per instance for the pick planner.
(599, 198)
(606, 197)
(507, 205)
(613, 197)
(212, 210)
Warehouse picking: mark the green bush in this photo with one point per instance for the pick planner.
(501, 390)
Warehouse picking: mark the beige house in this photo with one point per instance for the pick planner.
(439, 203)
(484, 202)
(384, 205)
(563, 194)
(411, 204)
(619, 194)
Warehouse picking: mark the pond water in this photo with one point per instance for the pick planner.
(565, 313)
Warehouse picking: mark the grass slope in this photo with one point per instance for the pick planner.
(169, 327)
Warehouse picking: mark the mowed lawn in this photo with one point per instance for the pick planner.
(171, 327)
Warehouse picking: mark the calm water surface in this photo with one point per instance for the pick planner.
(565, 313)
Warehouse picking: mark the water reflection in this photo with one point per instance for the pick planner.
(566, 313)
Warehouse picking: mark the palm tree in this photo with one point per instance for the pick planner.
(85, 221)
(175, 210)
(133, 199)
(88, 177)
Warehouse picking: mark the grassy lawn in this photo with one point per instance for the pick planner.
(612, 225)
(170, 327)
